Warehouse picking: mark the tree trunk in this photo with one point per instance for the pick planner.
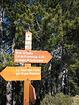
(9, 93)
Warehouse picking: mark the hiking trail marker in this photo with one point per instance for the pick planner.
(27, 72)
(21, 73)
(30, 56)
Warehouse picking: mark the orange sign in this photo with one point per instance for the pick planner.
(21, 73)
(29, 56)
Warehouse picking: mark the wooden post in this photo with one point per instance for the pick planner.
(26, 92)
(28, 46)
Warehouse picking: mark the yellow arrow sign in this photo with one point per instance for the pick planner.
(21, 73)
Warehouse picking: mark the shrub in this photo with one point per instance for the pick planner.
(58, 99)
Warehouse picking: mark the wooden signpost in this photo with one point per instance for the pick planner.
(27, 72)
(28, 46)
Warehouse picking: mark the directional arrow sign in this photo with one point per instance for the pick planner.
(30, 56)
(21, 73)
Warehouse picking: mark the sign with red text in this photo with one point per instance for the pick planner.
(30, 56)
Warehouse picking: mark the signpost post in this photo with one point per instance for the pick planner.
(28, 46)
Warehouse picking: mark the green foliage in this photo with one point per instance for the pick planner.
(6, 60)
(58, 99)
(75, 100)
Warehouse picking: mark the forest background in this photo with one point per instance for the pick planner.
(55, 27)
